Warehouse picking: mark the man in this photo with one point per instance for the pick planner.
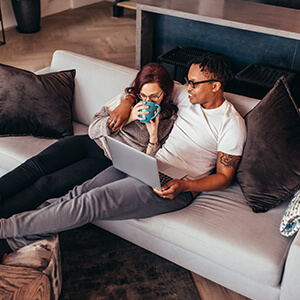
(210, 123)
(206, 141)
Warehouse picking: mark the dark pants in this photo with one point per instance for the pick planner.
(51, 173)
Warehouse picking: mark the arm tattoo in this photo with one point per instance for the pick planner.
(229, 160)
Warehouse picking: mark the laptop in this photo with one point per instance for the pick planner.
(140, 165)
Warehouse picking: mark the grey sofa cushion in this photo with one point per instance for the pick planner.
(220, 227)
(38, 105)
(269, 171)
(14, 150)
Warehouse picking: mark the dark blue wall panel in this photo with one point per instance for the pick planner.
(241, 47)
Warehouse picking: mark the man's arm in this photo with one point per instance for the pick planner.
(119, 116)
(225, 171)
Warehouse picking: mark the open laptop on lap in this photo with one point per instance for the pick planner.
(140, 165)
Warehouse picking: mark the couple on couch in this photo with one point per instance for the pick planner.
(204, 138)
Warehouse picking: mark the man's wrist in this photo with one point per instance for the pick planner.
(187, 185)
(129, 99)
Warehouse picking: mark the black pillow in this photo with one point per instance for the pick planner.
(38, 105)
(269, 171)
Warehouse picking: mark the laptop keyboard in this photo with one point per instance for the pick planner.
(164, 178)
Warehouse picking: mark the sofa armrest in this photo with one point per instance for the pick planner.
(290, 288)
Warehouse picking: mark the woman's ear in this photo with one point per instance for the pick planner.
(216, 86)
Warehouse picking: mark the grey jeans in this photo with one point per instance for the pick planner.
(110, 195)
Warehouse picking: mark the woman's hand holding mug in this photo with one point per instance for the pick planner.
(144, 111)
(135, 112)
(150, 120)
(149, 113)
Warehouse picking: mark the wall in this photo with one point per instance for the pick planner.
(241, 47)
(285, 3)
(48, 7)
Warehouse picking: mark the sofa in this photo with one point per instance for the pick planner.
(218, 236)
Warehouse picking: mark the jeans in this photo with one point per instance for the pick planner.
(51, 173)
(111, 195)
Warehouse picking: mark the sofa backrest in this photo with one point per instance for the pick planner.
(96, 82)
(99, 81)
(242, 104)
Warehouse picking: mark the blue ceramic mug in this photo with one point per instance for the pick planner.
(152, 107)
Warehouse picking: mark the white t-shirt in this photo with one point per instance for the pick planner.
(199, 134)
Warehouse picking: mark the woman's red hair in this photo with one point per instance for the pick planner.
(150, 73)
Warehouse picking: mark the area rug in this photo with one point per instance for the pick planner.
(99, 265)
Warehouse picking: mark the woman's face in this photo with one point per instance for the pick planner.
(151, 92)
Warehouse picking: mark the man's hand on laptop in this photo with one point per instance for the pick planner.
(171, 189)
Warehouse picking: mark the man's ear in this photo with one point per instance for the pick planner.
(216, 86)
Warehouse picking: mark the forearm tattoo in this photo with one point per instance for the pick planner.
(229, 160)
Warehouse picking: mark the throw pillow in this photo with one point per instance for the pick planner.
(38, 105)
(290, 223)
(269, 171)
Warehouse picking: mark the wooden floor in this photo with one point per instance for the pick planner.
(91, 31)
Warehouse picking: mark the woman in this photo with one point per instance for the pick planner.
(73, 160)
(111, 194)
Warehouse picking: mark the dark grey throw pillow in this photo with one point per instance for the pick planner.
(38, 105)
(269, 171)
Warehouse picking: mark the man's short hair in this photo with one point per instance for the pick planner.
(215, 66)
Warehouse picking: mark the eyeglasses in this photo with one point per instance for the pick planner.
(152, 97)
(193, 84)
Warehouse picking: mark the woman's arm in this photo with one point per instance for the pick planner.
(99, 125)
(152, 128)
(106, 121)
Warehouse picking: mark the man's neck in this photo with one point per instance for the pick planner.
(215, 103)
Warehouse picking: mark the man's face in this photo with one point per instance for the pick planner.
(202, 93)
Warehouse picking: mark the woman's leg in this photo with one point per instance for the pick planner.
(57, 156)
(123, 198)
(53, 185)
(52, 173)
